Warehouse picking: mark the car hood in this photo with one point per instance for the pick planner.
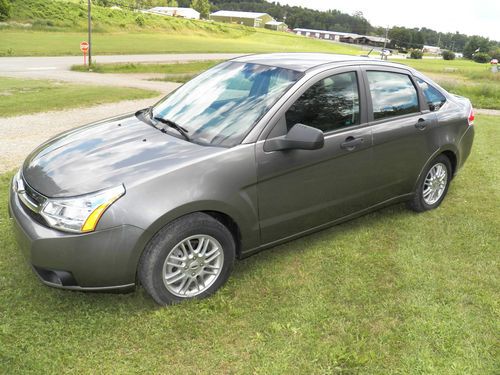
(122, 150)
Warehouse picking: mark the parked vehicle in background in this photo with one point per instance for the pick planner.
(252, 153)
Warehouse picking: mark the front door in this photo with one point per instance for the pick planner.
(303, 189)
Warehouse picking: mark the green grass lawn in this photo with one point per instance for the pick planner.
(45, 43)
(176, 72)
(22, 96)
(57, 27)
(176, 68)
(463, 77)
(458, 66)
(393, 292)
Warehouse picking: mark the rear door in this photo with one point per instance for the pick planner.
(403, 128)
(303, 189)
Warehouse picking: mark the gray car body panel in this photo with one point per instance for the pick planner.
(272, 197)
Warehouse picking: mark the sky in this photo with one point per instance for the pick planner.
(471, 17)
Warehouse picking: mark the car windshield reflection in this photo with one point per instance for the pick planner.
(220, 106)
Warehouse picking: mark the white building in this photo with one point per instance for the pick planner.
(176, 12)
(324, 34)
(432, 49)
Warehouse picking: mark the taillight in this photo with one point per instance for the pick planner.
(470, 120)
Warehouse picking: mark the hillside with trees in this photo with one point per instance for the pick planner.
(334, 20)
(401, 37)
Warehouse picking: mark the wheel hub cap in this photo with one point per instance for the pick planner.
(435, 183)
(193, 265)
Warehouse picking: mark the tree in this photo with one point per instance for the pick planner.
(495, 53)
(4, 10)
(172, 3)
(202, 6)
(476, 44)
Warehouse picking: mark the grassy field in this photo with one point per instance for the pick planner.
(57, 27)
(183, 68)
(467, 68)
(44, 43)
(21, 96)
(176, 72)
(393, 292)
(464, 77)
(71, 15)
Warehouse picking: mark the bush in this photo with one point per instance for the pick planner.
(416, 54)
(140, 21)
(481, 57)
(4, 10)
(448, 55)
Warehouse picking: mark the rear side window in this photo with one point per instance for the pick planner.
(329, 104)
(435, 99)
(393, 94)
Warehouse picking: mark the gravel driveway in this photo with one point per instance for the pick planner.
(21, 134)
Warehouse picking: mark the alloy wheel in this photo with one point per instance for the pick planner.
(193, 265)
(435, 184)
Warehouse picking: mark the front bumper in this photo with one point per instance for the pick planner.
(100, 260)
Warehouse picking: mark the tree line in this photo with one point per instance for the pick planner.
(333, 20)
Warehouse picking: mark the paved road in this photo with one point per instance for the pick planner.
(58, 63)
(57, 68)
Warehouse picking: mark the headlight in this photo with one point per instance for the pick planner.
(79, 214)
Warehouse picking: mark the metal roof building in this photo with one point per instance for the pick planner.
(188, 13)
(251, 19)
(324, 34)
(342, 37)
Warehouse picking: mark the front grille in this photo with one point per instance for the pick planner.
(35, 196)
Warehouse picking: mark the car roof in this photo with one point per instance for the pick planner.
(304, 61)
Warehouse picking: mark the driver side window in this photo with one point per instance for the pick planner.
(330, 104)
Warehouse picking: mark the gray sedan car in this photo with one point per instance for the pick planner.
(254, 152)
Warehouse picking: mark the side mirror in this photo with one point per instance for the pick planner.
(299, 137)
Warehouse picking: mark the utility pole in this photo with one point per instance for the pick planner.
(385, 42)
(90, 33)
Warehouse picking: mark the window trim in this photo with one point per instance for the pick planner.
(363, 105)
(416, 78)
(359, 103)
(422, 102)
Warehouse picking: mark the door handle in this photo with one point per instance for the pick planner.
(351, 143)
(421, 124)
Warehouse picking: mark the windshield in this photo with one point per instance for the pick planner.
(220, 106)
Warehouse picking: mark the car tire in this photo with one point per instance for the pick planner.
(185, 251)
(432, 185)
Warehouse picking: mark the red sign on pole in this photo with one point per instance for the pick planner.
(84, 47)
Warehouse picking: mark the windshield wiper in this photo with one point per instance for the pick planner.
(175, 126)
